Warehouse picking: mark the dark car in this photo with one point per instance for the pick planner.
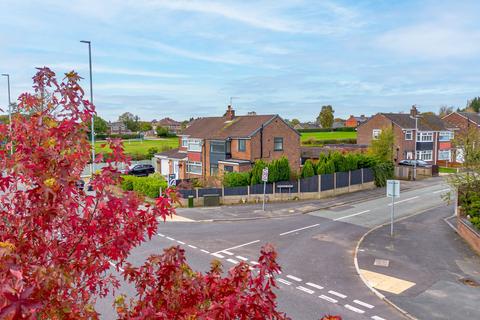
(140, 170)
(80, 184)
(411, 163)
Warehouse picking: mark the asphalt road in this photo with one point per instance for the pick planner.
(315, 251)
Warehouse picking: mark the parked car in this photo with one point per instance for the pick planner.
(140, 170)
(80, 184)
(411, 163)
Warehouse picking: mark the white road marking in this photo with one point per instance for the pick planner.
(284, 281)
(293, 278)
(349, 307)
(242, 258)
(338, 294)
(205, 251)
(161, 235)
(115, 266)
(299, 229)
(217, 255)
(364, 304)
(377, 318)
(408, 199)
(305, 290)
(254, 262)
(351, 215)
(314, 285)
(232, 261)
(170, 239)
(181, 242)
(438, 191)
(193, 247)
(327, 298)
(239, 246)
(227, 252)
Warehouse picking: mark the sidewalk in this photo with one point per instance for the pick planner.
(290, 208)
(426, 269)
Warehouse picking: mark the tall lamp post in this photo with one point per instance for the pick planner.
(92, 130)
(9, 107)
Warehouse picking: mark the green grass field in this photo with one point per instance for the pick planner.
(141, 147)
(329, 135)
(447, 170)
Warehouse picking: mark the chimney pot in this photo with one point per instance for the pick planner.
(230, 114)
(414, 111)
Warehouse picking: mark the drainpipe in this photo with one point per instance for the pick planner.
(204, 158)
(261, 141)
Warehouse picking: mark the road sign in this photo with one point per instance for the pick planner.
(393, 188)
(172, 181)
(265, 174)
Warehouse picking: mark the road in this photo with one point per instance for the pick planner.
(316, 252)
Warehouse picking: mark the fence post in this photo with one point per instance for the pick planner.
(349, 179)
(298, 188)
(319, 185)
(196, 193)
(334, 182)
(223, 191)
(362, 178)
(248, 193)
(274, 185)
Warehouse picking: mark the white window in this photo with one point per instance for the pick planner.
(445, 155)
(277, 144)
(445, 136)
(425, 136)
(194, 167)
(194, 145)
(184, 142)
(425, 155)
(376, 133)
(408, 135)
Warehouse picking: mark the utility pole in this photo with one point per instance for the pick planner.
(9, 110)
(92, 130)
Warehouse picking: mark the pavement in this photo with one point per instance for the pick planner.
(426, 269)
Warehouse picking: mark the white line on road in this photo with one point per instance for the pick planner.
(305, 290)
(377, 318)
(239, 246)
(300, 229)
(161, 235)
(227, 252)
(232, 261)
(327, 298)
(408, 199)
(217, 255)
(349, 307)
(438, 191)
(293, 278)
(284, 281)
(364, 304)
(338, 294)
(351, 215)
(170, 239)
(181, 242)
(314, 285)
(242, 258)
(205, 251)
(193, 247)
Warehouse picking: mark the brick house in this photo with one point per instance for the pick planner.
(460, 123)
(353, 122)
(213, 145)
(172, 125)
(432, 141)
(118, 127)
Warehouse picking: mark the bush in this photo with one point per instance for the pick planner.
(308, 169)
(279, 170)
(127, 183)
(383, 172)
(151, 152)
(118, 136)
(316, 142)
(256, 173)
(236, 179)
(147, 186)
(344, 129)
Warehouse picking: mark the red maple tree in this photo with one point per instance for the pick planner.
(58, 243)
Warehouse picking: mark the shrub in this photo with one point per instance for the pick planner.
(151, 152)
(236, 179)
(256, 173)
(118, 136)
(147, 186)
(344, 129)
(382, 172)
(308, 169)
(127, 183)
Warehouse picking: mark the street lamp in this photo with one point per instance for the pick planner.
(91, 101)
(9, 108)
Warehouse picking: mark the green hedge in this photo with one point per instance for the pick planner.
(118, 136)
(344, 129)
(318, 142)
(383, 172)
(236, 179)
(147, 186)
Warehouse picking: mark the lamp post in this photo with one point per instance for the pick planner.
(9, 108)
(91, 101)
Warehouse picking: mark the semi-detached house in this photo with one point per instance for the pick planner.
(430, 138)
(211, 146)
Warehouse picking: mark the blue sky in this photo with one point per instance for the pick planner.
(186, 59)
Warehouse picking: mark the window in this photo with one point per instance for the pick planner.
(408, 135)
(445, 136)
(184, 142)
(425, 155)
(241, 145)
(445, 155)
(194, 145)
(277, 144)
(194, 167)
(228, 168)
(214, 169)
(217, 147)
(424, 136)
(376, 133)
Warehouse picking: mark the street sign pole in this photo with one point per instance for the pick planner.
(393, 191)
(392, 216)
(264, 179)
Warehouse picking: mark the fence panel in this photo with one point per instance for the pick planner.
(341, 180)
(356, 177)
(187, 192)
(258, 189)
(202, 192)
(309, 184)
(293, 189)
(327, 182)
(235, 191)
(368, 175)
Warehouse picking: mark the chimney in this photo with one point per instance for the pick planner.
(230, 114)
(362, 116)
(413, 111)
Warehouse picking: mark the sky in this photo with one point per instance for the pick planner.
(183, 59)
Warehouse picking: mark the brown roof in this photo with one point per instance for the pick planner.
(474, 117)
(168, 122)
(173, 154)
(220, 128)
(426, 122)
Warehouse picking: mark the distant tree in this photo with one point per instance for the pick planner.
(474, 104)
(445, 110)
(382, 147)
(428, 113)
(185, 123)
(162, 131)
(325, 118)
(100, 125)
(294, 122)
(145, 126)
(131, 121)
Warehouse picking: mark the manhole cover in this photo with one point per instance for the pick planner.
(470, 282)
(381, 262)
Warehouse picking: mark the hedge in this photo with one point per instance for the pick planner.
(344, 129)
(236, 179)
(383, 172)
(147, 186)
(317, 142)
(118, 136)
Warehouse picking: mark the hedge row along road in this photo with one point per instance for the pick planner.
(328, 135)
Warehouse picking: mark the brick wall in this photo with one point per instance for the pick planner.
(351, 122)
(244, 155)
(364, 131)
(454, 120)
(468, 234)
